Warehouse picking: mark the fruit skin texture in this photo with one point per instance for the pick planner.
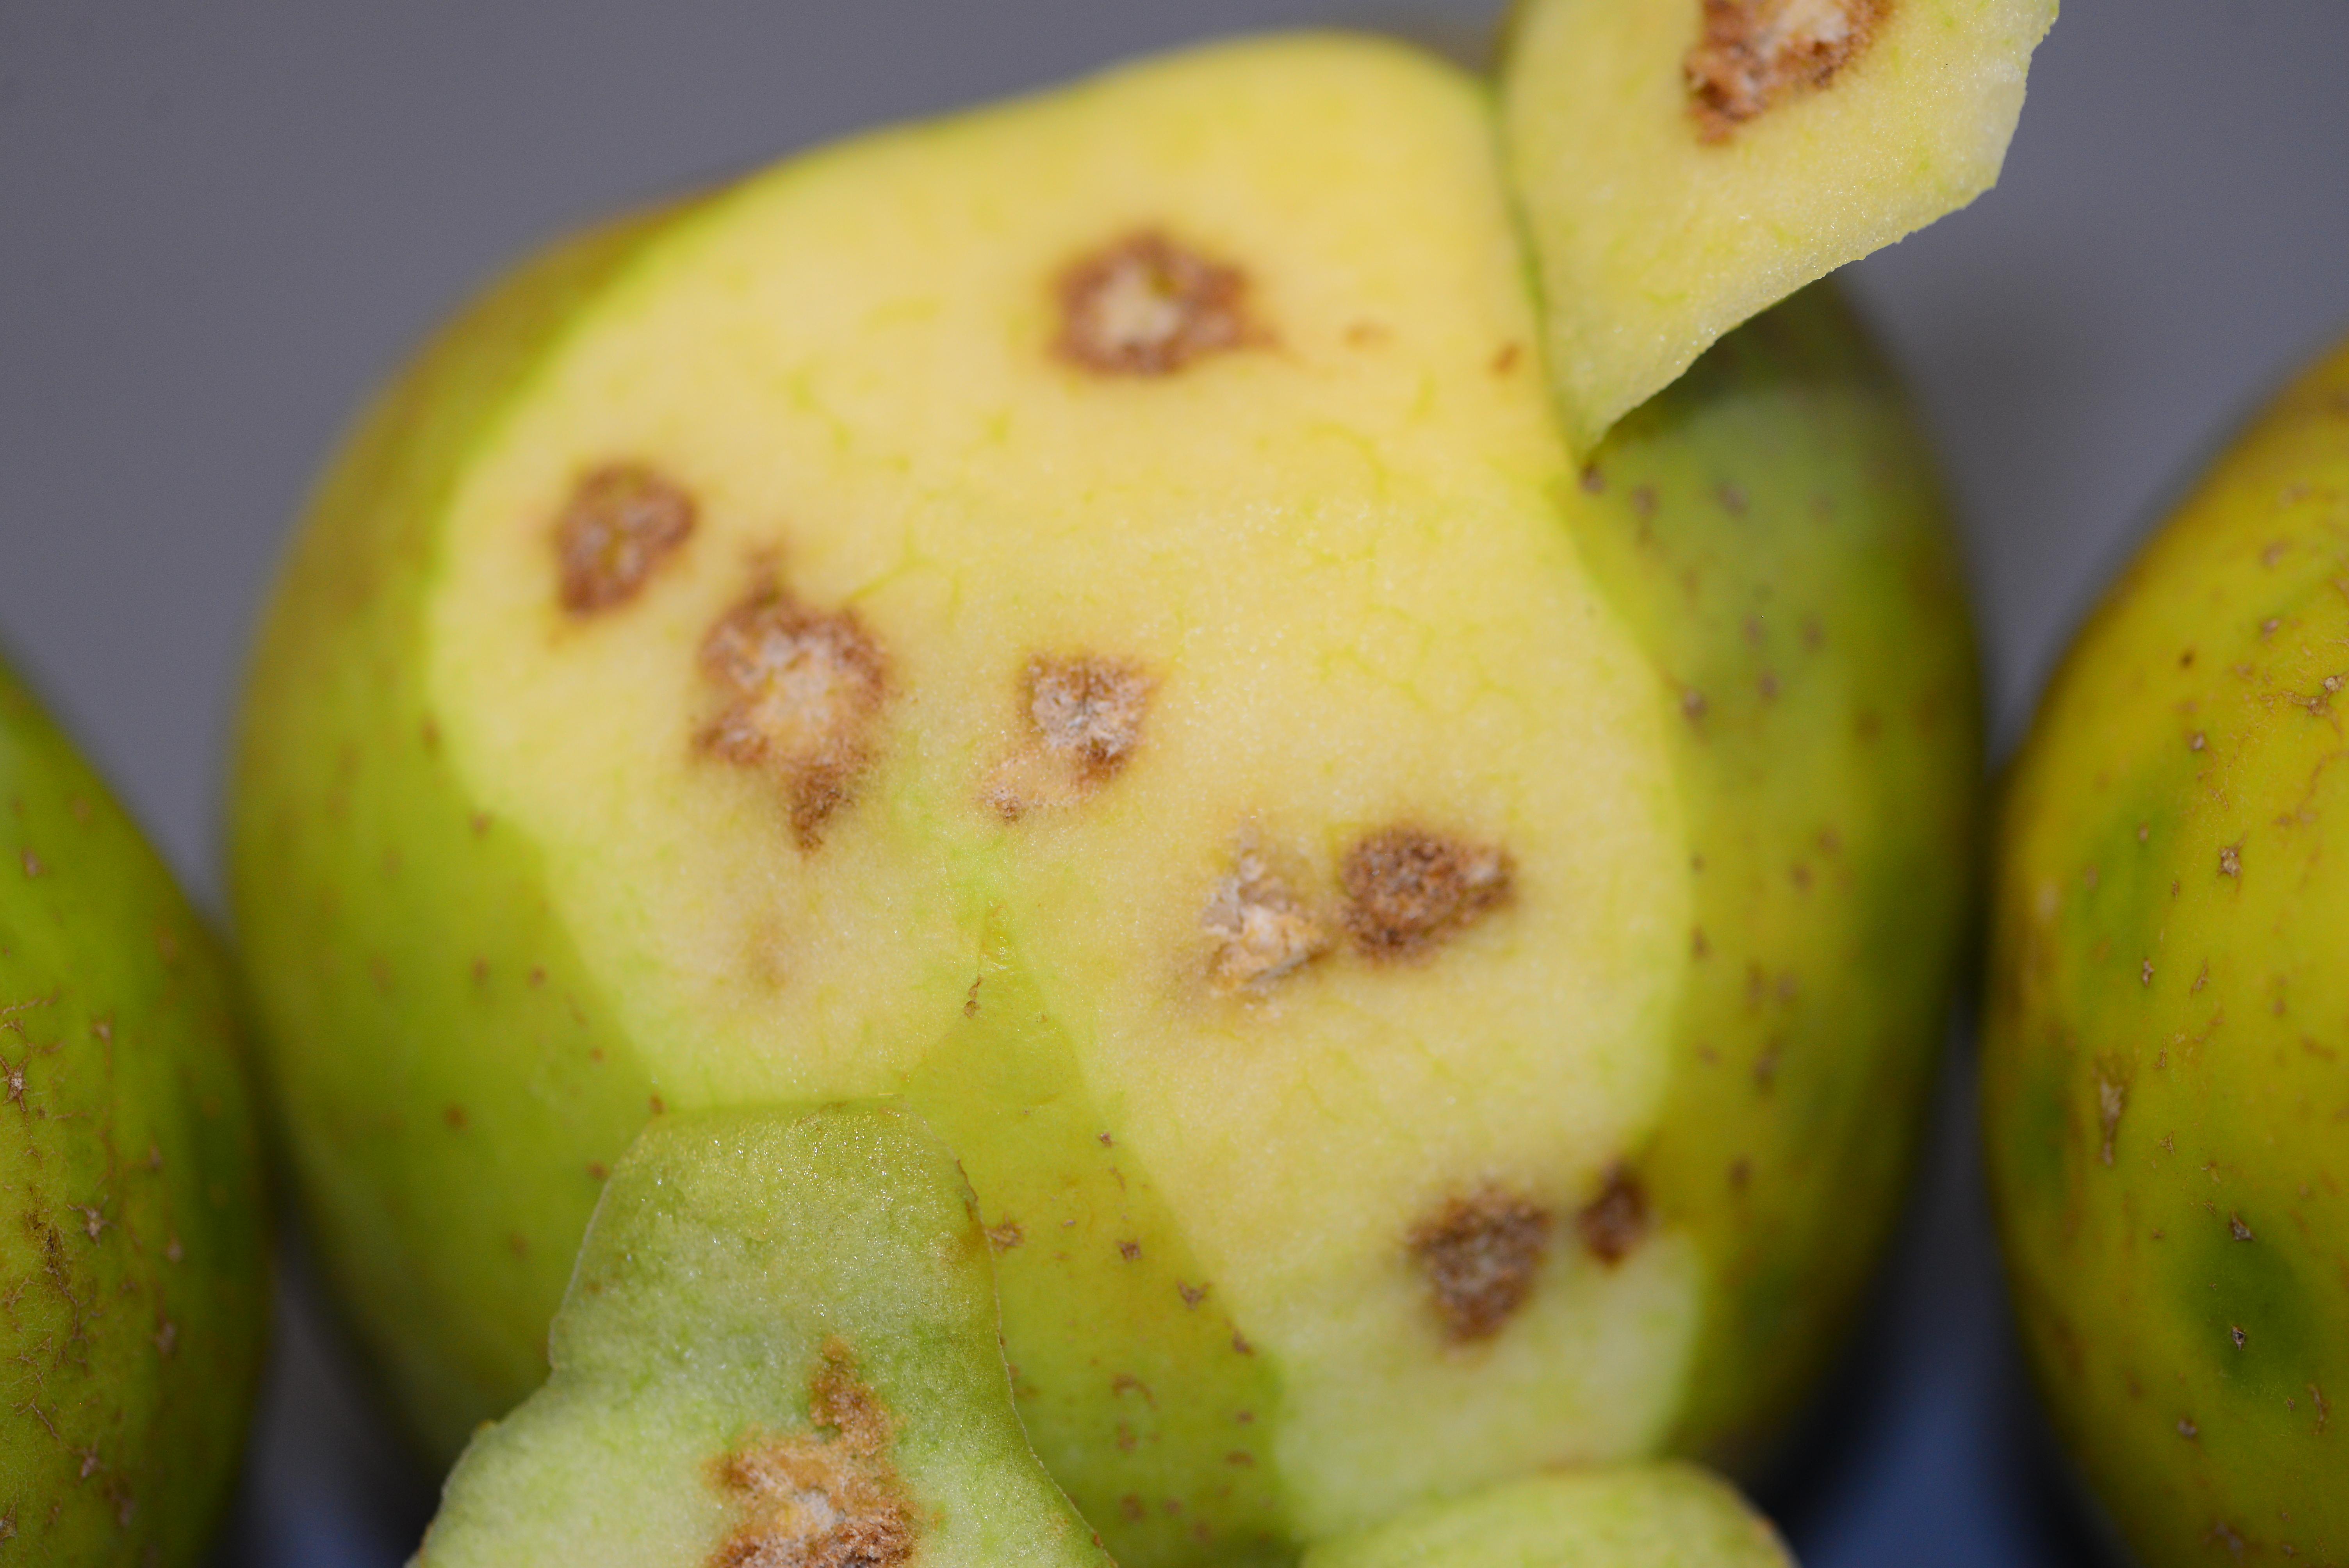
(1666, 1515)
(456, 1078)
(2165, 1076)
(1770, 526)
(133, 1266)
(796, 1296)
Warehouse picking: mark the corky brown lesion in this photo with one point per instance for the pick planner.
(1144, 304)
(1084, 717)
(827, 1498)
(1481, 1255)
(1755, 53)
(1409, 889)
(1261, 927)
(803, 690)
(622, 522)
(1616, 1221)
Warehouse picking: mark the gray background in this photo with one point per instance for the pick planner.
(220, 223)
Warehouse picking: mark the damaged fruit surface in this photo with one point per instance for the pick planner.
(1684, 163)
(2166, 1077)
(1425, 948)
(134, 1291)
(1609, 1516)
(778, 1351)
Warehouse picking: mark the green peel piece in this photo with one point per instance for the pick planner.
(779, 1349)
(1617, 1516)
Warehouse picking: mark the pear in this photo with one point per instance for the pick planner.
(1657, 1515)
(2165, 1072)
(779, 1347)
(1083, 617)
(133, 1266)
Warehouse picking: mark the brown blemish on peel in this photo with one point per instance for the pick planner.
(803, 689)
(623, 521)
(1144, 305)
(1261, 929)
(1408, 889)
(1480, 1255)
(1084, 717)
(1615, 1221)
(1755, 55)
(827, 1498)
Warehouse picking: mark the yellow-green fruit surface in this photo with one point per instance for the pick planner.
(133, 1272)
(2166, 1079)
(1427, 951)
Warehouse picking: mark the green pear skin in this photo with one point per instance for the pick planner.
(1657, 1515)
(2165, 1071)
(1771, 696)
(778, 1347)
(133, 1269)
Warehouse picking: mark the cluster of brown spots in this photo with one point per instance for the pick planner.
(1615, 1221)
(1144, 305)
(1480, 1255)
(1262, 930)
(1084, 717)
(1407, 889)
(1755, 53)
(826, 1499)
(623, 520)
(803, 689)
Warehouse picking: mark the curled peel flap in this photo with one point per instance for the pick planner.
(1683, 164)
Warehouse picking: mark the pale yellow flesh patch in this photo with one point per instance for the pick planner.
(1328, 548)
(1655, 229)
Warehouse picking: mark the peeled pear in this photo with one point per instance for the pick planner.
(1083, 617)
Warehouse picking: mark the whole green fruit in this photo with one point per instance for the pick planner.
(134, 1292)
(1427, 945)
(2166, 1080)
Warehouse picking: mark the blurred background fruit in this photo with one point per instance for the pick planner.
(134, 1268)
(2165, 1046)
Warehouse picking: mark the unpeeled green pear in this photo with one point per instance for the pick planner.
(2165, 1071)
(779, 1347)
(1082, 615)
(133, 1268)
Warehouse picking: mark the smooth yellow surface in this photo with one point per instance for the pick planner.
(1340, 562)
(1650, 243)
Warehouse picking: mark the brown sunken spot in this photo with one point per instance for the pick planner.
(827, 1498)
(1408, 889)
(622, 522)
(1084, 717)
(1480, 1255)
(1616, 1221)
(1262, 930)
(1756, 54)
(801, 688)
(1144, 306)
